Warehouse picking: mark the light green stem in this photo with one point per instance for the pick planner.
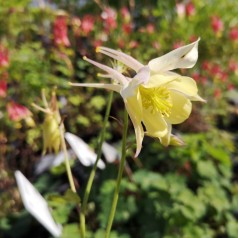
(66, 158)
(93, 172)
(119, 177)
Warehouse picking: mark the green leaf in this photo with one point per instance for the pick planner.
(71, 231)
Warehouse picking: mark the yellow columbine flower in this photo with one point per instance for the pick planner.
(155, 96)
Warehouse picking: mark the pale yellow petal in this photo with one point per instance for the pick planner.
(184, 85)
(181, 108)
(165, 140)
(158, 80)
(134, 109)
(155, 125)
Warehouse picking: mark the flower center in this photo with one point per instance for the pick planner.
(156, 99)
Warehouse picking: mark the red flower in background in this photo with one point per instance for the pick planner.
(178, 44)
(206, 65)
(233, 34)
(190, 9)
(217, 24)
(109, 16)
(60, 31)
(3, 88)
(127, 28)
(87, 24)
(217, 93)
(4, 56)
(17, 112)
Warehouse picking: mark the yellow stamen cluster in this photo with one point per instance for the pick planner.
(156, 99)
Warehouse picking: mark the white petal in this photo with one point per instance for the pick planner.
(84, 153)
(114, 74)
(110, 152)
(36, 205)
(143, 75)
(141, 78)
(113, 87)
(183, 57)
(124, 58)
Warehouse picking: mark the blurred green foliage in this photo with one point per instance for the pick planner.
(190, 191)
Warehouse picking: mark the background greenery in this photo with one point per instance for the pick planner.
(185, 192)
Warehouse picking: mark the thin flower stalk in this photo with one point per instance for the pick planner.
(119, 177)
(93, 172)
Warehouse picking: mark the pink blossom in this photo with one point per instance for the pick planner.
(60, 31)
(215, 70)
(190, 9)
(178, 44)
(133, 44)
(233, 65)
(156, 45)
(121, 43)
(3, 88)
(203, 80)
(217, 24)
(233, 34)
(223, 76)
(150, 28)
(192, 38)
(206, 65)
(126, 16)
(4, 56)
(180, 8)
(17, 112)
(109, 16)
(196, 76)
(217, 93)
(97, 43)
(87, 24)
(76, 23)
(230, 86)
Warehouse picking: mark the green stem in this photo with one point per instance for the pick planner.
(66, 158)
(119, 177)
(93, 172)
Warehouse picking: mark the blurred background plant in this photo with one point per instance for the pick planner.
(169, 192)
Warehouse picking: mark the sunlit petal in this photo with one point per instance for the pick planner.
(165, 140)
(142, 77)
(155, 125)
(184, 85)
(180, 110)
(183, 57)
(124, 58)
(112, 73)
(158, 80)
(134, 109)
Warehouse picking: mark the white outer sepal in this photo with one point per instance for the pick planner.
(36, 205)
